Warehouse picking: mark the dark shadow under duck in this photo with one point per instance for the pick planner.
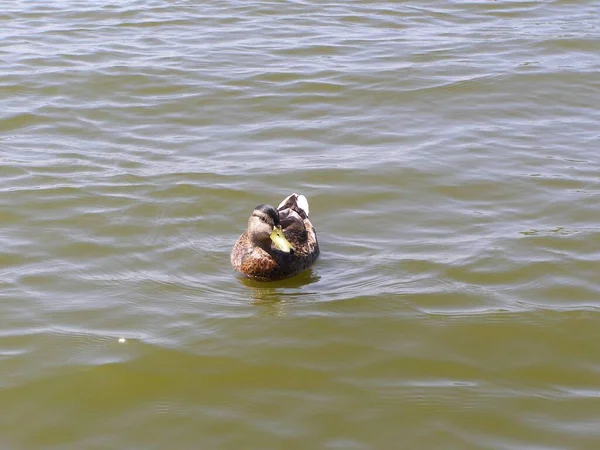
(278, 243)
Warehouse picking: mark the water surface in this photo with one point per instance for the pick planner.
(450, 156)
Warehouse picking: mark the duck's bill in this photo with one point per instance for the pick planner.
(280, 241)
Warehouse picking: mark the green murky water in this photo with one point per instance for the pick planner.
(450, 154)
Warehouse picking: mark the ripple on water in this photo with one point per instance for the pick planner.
(448, 152)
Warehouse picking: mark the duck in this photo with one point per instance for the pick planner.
(278, 242)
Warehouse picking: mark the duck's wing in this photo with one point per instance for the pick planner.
(293, 215)
(291, 220)
(296, 203)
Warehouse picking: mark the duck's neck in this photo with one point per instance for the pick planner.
(265, 245)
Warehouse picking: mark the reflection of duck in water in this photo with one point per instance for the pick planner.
(278, 242)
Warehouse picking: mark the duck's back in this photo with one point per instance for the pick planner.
(298, 229)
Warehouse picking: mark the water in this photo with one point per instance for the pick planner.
(449, 152)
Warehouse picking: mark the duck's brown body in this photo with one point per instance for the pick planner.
(260, 259)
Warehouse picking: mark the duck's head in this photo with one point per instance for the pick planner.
(264, 226)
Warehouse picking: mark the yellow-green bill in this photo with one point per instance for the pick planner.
(280, 241)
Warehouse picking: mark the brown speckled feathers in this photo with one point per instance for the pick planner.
(264, 261)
